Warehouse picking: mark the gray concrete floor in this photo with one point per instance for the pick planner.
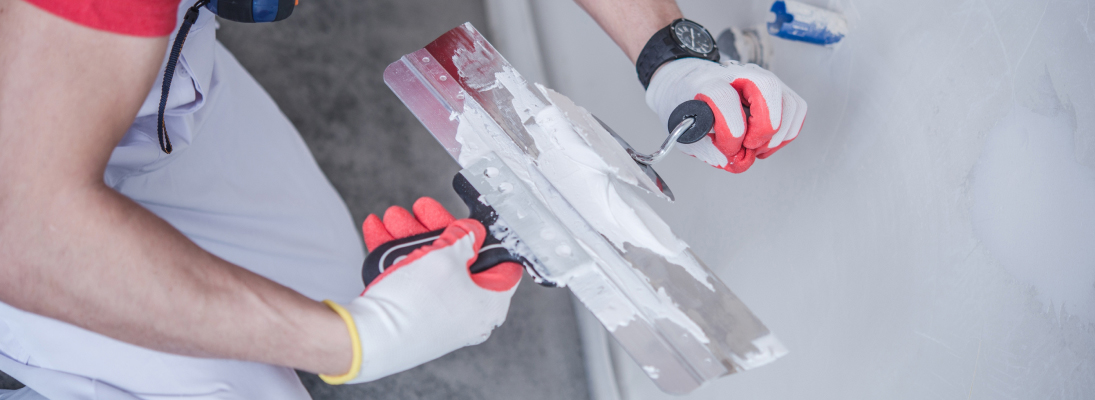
(7, 382)
(323, 66)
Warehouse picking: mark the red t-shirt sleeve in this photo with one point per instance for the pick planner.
(128, 17)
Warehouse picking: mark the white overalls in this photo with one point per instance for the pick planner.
(241, 184)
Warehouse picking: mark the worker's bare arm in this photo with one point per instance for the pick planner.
(75, 250)
(631, 23)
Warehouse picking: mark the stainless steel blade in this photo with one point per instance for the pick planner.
(430, 84)
(672, 315)
(647, 168)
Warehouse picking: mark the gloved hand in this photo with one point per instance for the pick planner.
(775, 113)
(427, 304)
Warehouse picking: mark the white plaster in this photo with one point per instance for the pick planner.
(593, 173)
(1034, 208)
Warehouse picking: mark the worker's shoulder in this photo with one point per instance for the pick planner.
(127, 17)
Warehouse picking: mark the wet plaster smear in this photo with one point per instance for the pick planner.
(595, 175)
(929, 235)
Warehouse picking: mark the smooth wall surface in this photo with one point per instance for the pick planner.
(931, 232)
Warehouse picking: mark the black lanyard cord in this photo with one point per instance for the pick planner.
(169, 72)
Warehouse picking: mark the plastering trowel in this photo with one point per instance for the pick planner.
(555, 190)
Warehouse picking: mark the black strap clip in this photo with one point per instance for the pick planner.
(169, 72)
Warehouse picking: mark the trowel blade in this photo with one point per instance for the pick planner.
(670, 313)
(647, 169)
(428, 82)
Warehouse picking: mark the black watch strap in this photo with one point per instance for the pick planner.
(662, 48)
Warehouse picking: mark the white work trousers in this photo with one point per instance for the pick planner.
(241, 184)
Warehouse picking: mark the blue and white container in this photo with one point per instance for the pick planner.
(806, 23)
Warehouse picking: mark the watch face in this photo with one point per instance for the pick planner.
(693, 37)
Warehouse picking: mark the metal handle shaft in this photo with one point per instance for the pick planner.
(666, 146)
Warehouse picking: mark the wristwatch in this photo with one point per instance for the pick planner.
(682, 38)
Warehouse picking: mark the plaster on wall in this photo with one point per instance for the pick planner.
(928, 234)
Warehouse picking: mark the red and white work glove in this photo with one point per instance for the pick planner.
(427, 304)
(775, 115)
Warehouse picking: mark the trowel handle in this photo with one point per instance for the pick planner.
(492, 253)
(703, 120)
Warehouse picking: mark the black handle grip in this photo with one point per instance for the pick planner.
(703, 120)
(492, 253)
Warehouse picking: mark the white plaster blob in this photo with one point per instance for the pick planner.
(472, 145)
(652, 371)
(579, 147)
(770, 350)
(584, 141)
(569, 158)
(1034, 207)
(475, 134)
(573, 149)
(469, 61)
(591, 184)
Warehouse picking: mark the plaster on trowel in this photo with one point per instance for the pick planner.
(555, 189)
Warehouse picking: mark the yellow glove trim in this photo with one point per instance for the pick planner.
(355, 340)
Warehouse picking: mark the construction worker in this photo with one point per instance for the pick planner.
(215, 270)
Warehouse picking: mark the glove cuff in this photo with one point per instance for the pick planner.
(669, 88)
(355, 340)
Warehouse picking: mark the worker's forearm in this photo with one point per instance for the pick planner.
(93, 258)
(631, 23)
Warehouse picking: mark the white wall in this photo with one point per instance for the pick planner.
(931, 234)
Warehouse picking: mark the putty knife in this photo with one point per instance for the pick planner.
(664, 307)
